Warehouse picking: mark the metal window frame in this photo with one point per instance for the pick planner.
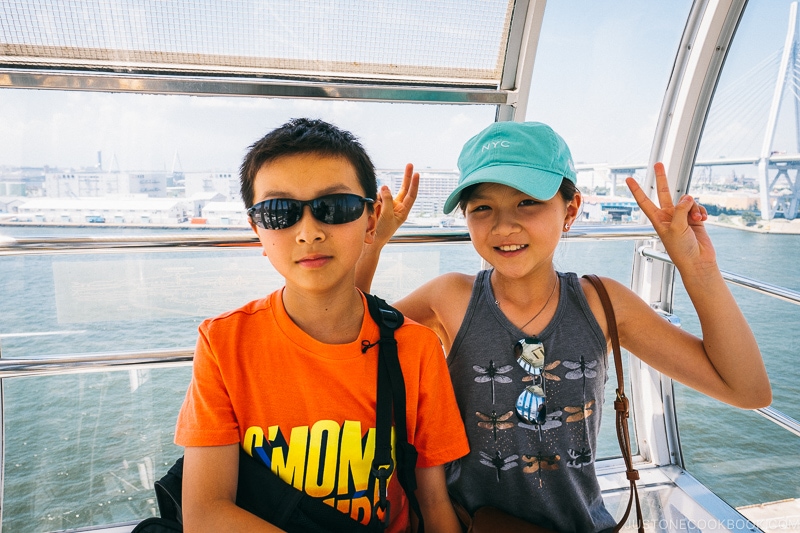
(511, 96)
(706, 39)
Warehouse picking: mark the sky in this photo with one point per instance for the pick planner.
(599, 78)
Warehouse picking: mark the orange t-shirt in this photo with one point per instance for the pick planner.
(307, 409)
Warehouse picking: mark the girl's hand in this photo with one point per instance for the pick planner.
(679, 226)
(395, 210)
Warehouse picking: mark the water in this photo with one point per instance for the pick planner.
(84, 449)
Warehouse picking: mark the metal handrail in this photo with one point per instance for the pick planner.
(71, 364)
(78, 363)
(168, 242)
(781, 419)
(776, 291)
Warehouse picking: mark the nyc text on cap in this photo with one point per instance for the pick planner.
(528, 156)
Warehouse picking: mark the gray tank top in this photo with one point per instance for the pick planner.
(532, 418)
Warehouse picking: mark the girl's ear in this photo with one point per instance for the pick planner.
(573, 209)
(372, 222)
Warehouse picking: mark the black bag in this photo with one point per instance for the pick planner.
(168, 496)
(264, 494)
(158, 525)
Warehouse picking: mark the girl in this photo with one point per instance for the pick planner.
(527, 346)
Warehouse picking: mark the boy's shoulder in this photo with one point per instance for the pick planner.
(241, 314)
(412, 332)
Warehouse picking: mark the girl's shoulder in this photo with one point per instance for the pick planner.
(447, 292)
(629, 308)
(455, 283)
(440, 304)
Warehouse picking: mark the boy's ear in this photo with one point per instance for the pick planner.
(372, 222)
(255, 230)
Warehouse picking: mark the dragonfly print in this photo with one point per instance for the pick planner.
(579, 458)
(495, 421)
(499, 463)
(538, 463)
(581, 370)
(578, 413)
(492, 374)
(550, 420)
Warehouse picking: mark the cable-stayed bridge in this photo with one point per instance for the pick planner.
(755, 120)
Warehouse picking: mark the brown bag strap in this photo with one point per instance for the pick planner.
(620, 405)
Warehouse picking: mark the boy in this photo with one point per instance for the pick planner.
(286, 377)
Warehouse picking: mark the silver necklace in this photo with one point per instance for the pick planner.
(497, 303)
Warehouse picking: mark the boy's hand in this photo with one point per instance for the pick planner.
(395, 210)
(679, 226)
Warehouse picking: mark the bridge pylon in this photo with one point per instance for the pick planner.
(771, 169)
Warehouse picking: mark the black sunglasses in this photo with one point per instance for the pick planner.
(282, 213)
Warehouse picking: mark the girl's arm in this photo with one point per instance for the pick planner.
(726, 363)
(394, 211)
(439, 304)
(210, 476)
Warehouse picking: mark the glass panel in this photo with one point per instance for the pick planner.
(85, 449)
(599, 78)
(739, 455)
(439, 39)
(122, 302)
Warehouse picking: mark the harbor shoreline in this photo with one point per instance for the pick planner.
(778, 226)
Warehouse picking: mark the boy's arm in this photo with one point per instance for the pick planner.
(434, 501)
(726, 363)
(210, 475)
(394, 211)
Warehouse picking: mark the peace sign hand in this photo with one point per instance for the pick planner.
(395, 210)
(680, 226)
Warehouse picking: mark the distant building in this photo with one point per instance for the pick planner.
(225, 183)
(225, 214)
(734, 200)
(22, 181)
(434, 188)
(97, 183)
(200, 199)
(10, 204)
(105, 210)
(609, 209)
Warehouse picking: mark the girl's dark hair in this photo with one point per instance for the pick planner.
(567, 190)
(305, 136)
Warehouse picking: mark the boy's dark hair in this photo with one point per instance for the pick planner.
(567, 190)
(304, 136)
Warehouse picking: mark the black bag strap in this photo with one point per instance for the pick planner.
(389, 372)
(620, 405)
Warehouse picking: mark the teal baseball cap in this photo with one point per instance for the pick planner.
(528, 156)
